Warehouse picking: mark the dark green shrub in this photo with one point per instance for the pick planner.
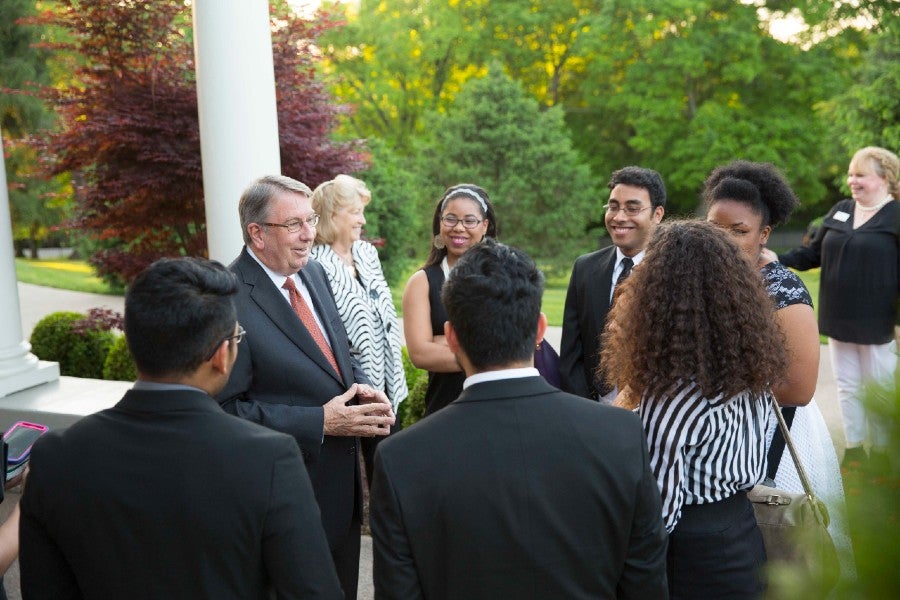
(119, 364)
(413, 408)
(51, 338)
(71, 339)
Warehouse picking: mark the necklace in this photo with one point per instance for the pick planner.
(874, 207)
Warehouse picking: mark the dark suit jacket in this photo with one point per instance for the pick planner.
(584, 317)
(281, 380)
(166, 496)
(518, 490)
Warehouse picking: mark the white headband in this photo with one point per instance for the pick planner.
(467, 192)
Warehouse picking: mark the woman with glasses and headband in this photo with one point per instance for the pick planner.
(463, 217)
(360, 291)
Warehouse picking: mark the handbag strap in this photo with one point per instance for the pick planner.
(804, 480)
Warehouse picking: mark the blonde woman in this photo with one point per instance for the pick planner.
(857, 250)
(360, 291)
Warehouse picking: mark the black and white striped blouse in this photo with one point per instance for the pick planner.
(703, 450)
(368, 313)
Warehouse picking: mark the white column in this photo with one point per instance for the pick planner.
(238, 117)
(19, 368)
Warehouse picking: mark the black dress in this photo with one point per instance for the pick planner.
(443, 388)
(785, 289)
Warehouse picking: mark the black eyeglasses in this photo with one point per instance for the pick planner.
(295, 225)
(238, 338)
(450, 221)
(629, 209)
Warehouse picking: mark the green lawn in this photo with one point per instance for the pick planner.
(74, 275)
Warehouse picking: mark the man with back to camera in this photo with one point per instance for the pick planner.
(295, 373)
(164, 495)
(515, 489)
(636, 205)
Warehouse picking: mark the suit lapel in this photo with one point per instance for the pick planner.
(270, 301)
(601, 274)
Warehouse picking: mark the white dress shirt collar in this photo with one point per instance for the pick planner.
(499, 375)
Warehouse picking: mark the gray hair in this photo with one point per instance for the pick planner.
(254, 204)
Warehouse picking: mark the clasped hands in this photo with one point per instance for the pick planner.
(373, 415)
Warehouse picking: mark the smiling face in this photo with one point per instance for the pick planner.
(743, 226)
(866, 186)
(631, 233)
(348, 222)
(282, 251)
(458, 239)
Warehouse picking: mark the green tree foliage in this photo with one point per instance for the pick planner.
(680, 86)
(396, 217)
(400, 59)
(695, 83)
(130, 132)
(868, 112)
(36, 203)
(496, 136)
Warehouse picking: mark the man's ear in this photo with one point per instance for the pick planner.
(221, 359)
(658, 214)
(541, 328)
(254, 230)
(452, 340)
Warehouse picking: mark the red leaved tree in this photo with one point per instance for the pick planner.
(130, 133)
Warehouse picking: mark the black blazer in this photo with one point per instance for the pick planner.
(281, 380)
(584, 317)
(518, 490)
(166, 496)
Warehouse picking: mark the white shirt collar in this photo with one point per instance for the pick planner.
(501, 374)
(277, 278)
(636, 259)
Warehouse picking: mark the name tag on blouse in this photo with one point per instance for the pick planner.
(841, 216)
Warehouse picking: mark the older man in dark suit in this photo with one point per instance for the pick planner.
(636, 205)
(295, 373)
(165, 495)
(515, 489)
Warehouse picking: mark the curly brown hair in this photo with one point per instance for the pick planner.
(694, 309)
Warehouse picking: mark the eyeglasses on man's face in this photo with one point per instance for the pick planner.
(295, 225)
(450, 221)
(237, 337)
(632, 210)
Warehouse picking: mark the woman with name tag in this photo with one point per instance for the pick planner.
(857, 250)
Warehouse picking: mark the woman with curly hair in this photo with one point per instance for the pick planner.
(695, 349)
(747, 200)
(462, 218)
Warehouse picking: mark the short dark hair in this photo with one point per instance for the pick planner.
(493, 300)
(462, 190)
(648, 179)
(176, 312)
(761, 186)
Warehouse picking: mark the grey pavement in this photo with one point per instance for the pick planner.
(37, 302)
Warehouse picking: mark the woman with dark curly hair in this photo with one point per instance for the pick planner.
(747, 200)
(462, 218)
(694, 347)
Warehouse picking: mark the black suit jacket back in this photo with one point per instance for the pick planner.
(584, 317)
(281, 380)
(166, 496)
(518, 490)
